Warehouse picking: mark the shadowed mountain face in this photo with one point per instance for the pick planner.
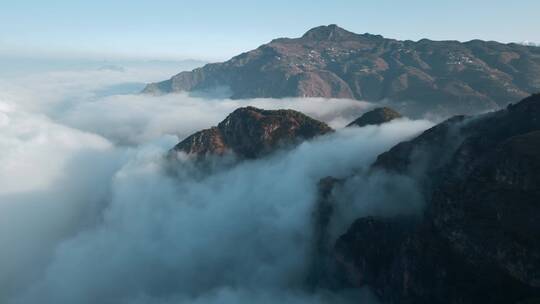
(478, 240)
(375, 117)
(443, 77)
(250, 132)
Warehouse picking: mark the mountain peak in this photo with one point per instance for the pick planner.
(328, 32)
(376, 117)
(250, 132)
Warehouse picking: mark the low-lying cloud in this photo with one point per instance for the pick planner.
(84, 100)
(135, 119)
(90, 214)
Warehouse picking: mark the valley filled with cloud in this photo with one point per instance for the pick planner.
(92, 211)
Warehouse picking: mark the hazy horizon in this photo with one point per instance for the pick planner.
(175, 30)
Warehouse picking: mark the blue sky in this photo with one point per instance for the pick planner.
(215, 30)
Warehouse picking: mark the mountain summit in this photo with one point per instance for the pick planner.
(375, 117)
(415, 78)
(251, 132)
(329, 32)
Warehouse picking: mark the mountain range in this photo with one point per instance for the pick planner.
(478, 237)
(413, 77)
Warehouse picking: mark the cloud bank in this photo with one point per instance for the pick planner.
(90, 214)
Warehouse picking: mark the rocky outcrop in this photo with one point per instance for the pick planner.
(375, 117)
(250, 132)
(478, 240)
(444, 77)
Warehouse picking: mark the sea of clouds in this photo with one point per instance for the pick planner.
(90, 212)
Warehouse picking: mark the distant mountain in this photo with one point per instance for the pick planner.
(478, 240)
(446, 77)
(375, 117)
(251, 132)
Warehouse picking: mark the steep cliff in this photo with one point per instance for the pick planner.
(478, 240)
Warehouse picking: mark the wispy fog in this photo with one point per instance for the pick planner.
(90, 214)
